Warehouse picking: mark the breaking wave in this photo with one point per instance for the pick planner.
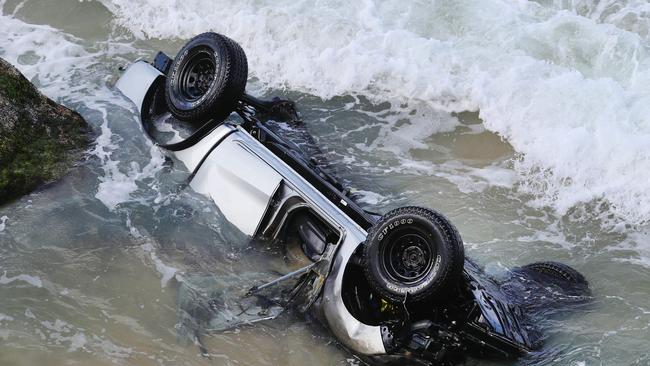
(566, 83)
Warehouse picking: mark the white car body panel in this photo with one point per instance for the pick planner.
(241, 175)
(136, 81)
(240, 184)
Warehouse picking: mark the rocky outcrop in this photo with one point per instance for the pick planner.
(39, 139)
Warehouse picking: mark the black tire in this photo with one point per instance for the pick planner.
(206, 79)
(415, 251)
(558, 271)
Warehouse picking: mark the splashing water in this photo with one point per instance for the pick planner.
(550, 162)
(568, 92)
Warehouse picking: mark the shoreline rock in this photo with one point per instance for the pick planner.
(39, 138)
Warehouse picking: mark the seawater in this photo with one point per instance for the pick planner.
(526, 122)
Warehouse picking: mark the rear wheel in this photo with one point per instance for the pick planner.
(412, 251)
(206, 79)
(548, 287)
(558, 271)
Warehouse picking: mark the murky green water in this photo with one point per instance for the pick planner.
(90, 266)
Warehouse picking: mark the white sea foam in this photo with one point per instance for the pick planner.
(368, 197)
(39, 51)
(65, 68)
(32, 280)
(469, 179)
(61, 332)
(566, 83)
(166, 272)
(116, 186)
(3, 224)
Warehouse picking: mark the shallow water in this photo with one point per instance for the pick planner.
(527, 123)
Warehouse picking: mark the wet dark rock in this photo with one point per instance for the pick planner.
(39, 139)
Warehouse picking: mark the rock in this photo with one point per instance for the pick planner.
(39, 139)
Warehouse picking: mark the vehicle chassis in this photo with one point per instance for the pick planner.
(261, 182)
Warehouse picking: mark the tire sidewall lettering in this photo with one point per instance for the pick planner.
(393, 225)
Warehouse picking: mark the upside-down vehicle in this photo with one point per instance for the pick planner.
(389, 287)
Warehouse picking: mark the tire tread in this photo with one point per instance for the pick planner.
(231, 78)
(452, 240)
(558, 270)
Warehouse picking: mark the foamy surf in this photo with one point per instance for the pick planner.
(564, 82)
(62, 66)
(3, 222)
(31, 280)
(566, 86)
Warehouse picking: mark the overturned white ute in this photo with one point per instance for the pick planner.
(390, 288)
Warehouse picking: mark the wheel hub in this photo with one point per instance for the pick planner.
(413, 257)
(409, 258)
(197, 76)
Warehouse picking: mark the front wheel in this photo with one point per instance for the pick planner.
(206, 79)
(412, 251)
